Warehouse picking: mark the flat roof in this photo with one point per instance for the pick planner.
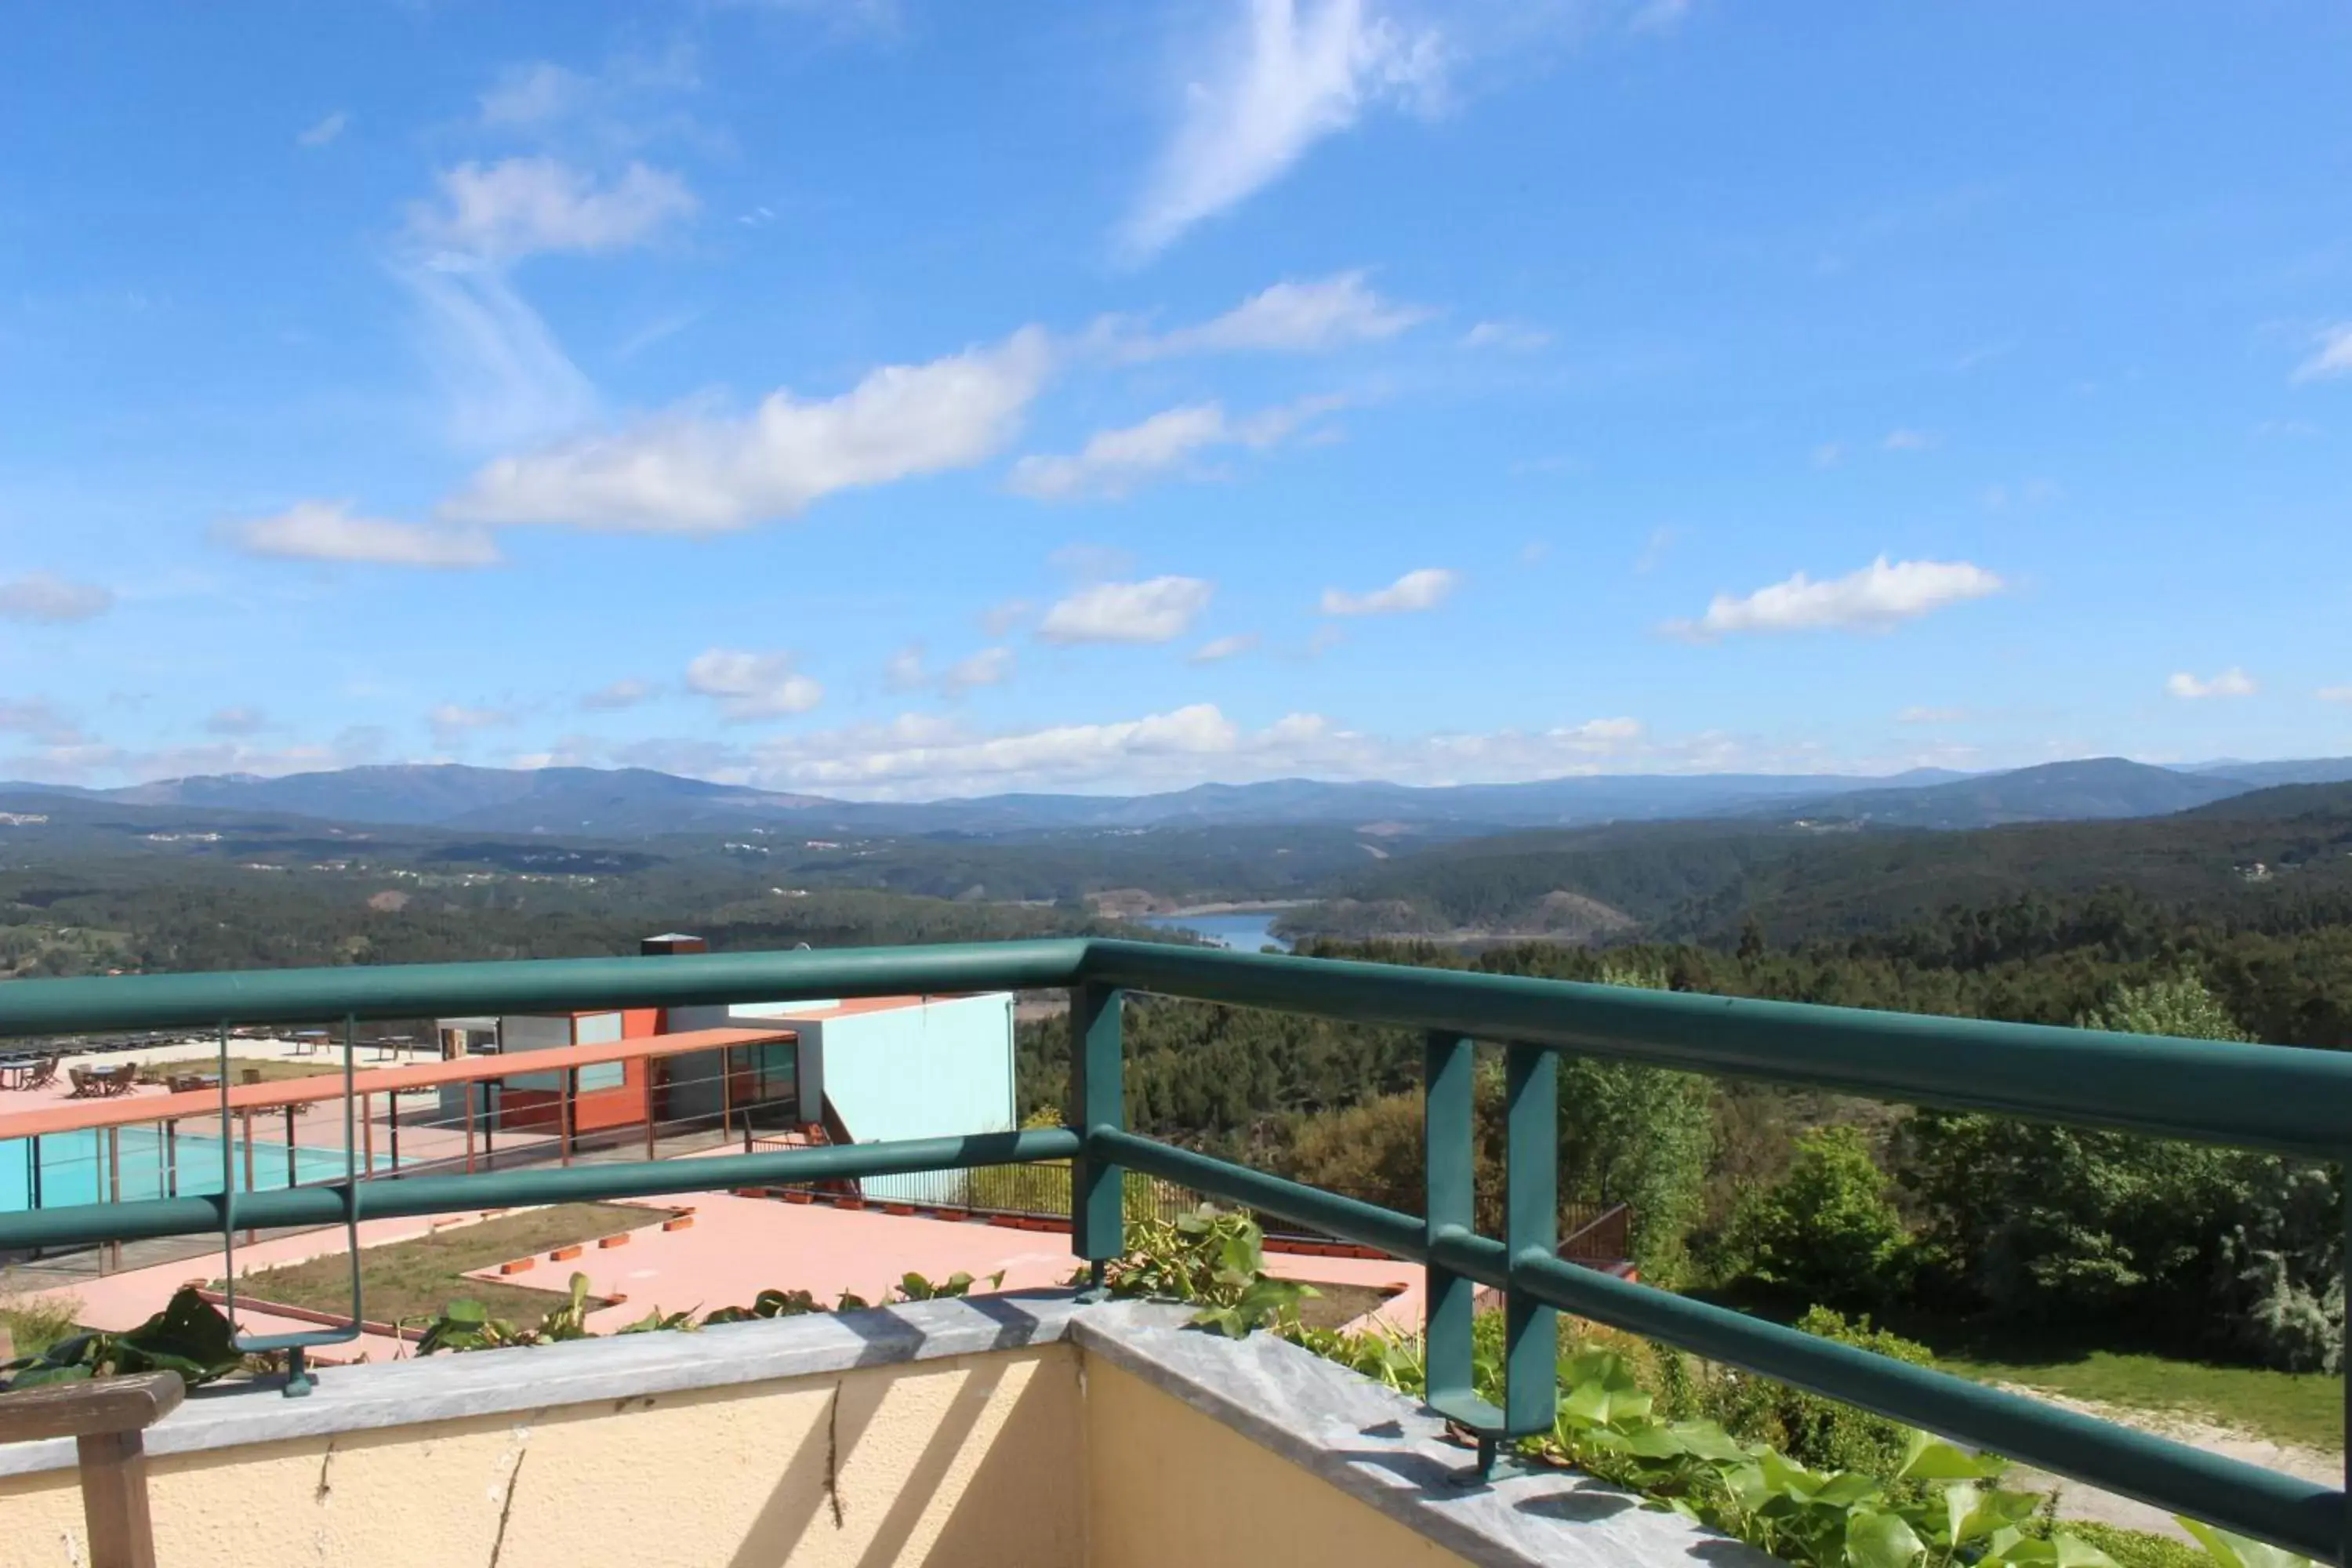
(75, 1115)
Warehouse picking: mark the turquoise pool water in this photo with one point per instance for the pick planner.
(74, 1168)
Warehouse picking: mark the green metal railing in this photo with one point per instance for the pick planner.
(2289, 1102)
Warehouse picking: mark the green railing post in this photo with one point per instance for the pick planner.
(1531, 1229)
(1098, 1100)
(1449, 1093)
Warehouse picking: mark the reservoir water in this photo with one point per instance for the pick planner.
(1243, 932)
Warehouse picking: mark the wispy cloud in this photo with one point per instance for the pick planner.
(520, 206)
(2331, 356)
(1114, 463)
(1222, 648)
(1157, 610)
(1293, 317)
(1907, 440)
(2334, 694)
(1291, 73)
(1511, 337)
(2230, 682)
(39, 596)
(1423, 590)
(626, 693)
(506, 379)
(235, 722)
(750, 686)
(333, 531)
(452, 723)
(989, 667)
(1872, 599)
(1931, 716)
(321, 132)
(692, 472)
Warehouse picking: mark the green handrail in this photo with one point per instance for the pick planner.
(2287, 1100)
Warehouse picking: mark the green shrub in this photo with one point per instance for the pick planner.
(1820, 1433)
(1825, 1232)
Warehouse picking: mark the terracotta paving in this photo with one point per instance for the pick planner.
(735, 1247)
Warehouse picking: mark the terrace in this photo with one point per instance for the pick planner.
(1037, 1427)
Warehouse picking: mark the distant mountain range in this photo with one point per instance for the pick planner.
(632, 803)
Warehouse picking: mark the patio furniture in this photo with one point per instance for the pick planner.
(85, 1083)
(120, 1080)
(34, 1073)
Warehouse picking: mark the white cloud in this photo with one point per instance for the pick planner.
(1908, 441)
(534, 94)
(236, 721)
(1829, 455)
(1157, 610)
(626, 692)
(1931, 716)
(2332, 357)
(324, 131)
(689, 473)
(38, 596)
(2230, 682)
(904, 672)
(924, 756)
(1423, 590)
(752, 685)
(1293, 73)
(1000, 618)
(1113, 463)
(989, 667)
(1872, 599)
(331, 530)
(1318, 316)
(36, 718)
(451, 722)
(1223, 648)
(2334, 694)
(1512, 337)
(520, 206)
(506, 377)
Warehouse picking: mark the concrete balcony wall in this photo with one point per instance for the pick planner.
(1022, 1431)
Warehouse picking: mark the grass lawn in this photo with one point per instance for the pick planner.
(271, 1068)
(2306, 1408)
(417, 1278)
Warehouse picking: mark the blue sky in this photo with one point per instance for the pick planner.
(914, 399)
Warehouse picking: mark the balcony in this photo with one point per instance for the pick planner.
(1035, 1428)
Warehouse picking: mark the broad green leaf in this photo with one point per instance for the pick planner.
(1876, 1540)
(1962, 1508)
(1709, 1442)
(2231, 1551)
(1846, 1488)
(1927, 1459)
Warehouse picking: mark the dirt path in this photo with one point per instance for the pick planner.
(2077, 1500)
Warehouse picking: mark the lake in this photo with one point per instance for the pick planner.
(1242, 932)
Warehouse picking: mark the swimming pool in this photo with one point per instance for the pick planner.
(75, 1167)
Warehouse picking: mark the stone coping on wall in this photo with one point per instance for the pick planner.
(1393, 1453)
(1368, 1441)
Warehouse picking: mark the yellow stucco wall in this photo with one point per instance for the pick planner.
(969, 1460)
(1170, 1488)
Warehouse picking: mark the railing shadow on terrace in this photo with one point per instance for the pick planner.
(2280, 1100)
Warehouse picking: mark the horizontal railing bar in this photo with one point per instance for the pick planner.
(409, 1196)
(2278, 1098)
(2299, 1515)
(1399, 1235)
(370, 993)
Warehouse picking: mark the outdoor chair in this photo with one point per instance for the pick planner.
(85, 1083)
(44, 1073)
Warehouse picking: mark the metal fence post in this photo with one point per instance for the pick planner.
(1449, 1094)
(1097, 1098)
(1531, 1230)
